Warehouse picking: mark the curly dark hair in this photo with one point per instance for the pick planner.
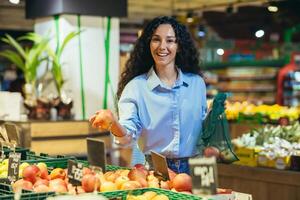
(140, 60)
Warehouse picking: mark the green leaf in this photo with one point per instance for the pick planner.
(67, 39)
(14, 58)
(11, 41)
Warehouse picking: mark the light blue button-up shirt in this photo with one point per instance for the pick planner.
(168, 118)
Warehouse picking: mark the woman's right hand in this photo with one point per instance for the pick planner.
(102, 119)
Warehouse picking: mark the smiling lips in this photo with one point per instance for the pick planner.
(162, 54)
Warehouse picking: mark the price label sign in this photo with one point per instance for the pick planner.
(96, 153)
(75, 172)
(160, 165)
(204, 175)
(13, 166)
(12, 133)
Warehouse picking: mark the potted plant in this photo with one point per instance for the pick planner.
(28, 59)
(63, 103)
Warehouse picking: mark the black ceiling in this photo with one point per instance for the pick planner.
(242, 23)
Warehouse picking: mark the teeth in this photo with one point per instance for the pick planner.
(162, 54)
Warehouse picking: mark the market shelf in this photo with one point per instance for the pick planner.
(246, 78)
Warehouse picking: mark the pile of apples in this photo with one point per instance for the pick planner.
(137, 177)
(36, 178)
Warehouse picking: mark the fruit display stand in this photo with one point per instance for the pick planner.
(155, 192)
(262, 183)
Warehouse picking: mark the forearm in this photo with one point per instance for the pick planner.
(120, 133)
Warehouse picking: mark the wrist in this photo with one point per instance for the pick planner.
(116, 129)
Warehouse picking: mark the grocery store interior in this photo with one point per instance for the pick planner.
(61, 61)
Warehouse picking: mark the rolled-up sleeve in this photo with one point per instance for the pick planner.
(128, 115)
(204, 101)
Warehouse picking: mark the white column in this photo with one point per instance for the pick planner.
(93, 59)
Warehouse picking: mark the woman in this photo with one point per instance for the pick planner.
(162, 96)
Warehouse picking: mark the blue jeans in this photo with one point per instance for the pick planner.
(177, 165)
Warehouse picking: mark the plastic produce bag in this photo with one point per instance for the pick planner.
(215, 138)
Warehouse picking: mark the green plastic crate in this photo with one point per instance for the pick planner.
(6, 193)
(122, 194)
(21, 150)
(29, 196)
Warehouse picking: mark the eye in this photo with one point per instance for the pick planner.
(171, 41)
(155, 39)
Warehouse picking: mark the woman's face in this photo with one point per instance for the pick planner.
(163, 46)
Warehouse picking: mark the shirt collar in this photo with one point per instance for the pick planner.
(153, 80)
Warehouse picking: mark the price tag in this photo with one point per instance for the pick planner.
(75, 172)
(96, 153)
(160, 165)
(13, 166)
(204, 175)
(12, 133)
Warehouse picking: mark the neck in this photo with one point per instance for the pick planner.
(167, 75)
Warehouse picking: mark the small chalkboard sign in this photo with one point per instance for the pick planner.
(13, 166)
(204, 175)
(75, 172)
(12, 133)
(96, 153)
(160, 165)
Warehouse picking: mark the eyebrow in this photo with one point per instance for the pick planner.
(171, 36)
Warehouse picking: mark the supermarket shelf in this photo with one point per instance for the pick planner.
(253, 89)
(255, 63)
(247, 78)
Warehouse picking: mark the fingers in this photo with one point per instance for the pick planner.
(92, 119)
(102, 119)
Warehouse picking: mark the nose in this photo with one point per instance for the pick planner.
(163, 45)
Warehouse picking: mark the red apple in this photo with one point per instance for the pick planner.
(21, 184)
(58, 185)
(164, 185)
(30, 173)
(40, 181)
(172, 174)
(57, 181)
(44, 170)
(139, 166)
(211, 151)
(111, 176)
(90, 183)
(130, 185)
(41, 188)
(182, 182)
(58, 188)
(136, 174)
(87, 170)
(57, 173)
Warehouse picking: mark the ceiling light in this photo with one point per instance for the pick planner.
(272, 8)
(14, 1)
(220, 52)
(189, 17)
(259, 33)
(201, 30)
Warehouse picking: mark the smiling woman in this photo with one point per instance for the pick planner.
(163, 48)
(162, 96)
